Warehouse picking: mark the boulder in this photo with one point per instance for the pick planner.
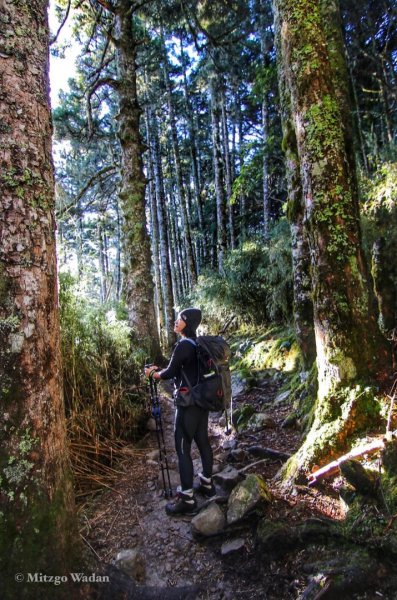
(260, 421)
(282, 397)
(132, 563)
(209, 521)
(232, 546)
(229, 444)
(242, 415)
(238, 384)
(228, 478)
(246, 496)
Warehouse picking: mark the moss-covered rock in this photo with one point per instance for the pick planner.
(248, 495)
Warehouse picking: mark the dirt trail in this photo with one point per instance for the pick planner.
(132, 515)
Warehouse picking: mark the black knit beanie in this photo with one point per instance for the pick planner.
(192, 318)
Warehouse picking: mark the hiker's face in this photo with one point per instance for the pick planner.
(179, 325)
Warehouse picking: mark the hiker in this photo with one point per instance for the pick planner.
(191, 422)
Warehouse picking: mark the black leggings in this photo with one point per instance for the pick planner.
(191, 423)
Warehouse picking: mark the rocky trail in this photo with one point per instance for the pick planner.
(276, 546)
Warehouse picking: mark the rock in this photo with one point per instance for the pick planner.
(132, 563)
(239, 454)
(222, 457)
(242, 415)
(228, 478)
(260, 421)
(282, 397)
(153, 455)
(209, 521)
(304, 376)
(222, 421)
(278, 376)
(290, 421)
(233, 546)
(247, 495)
(151, 424)
(239, 384)
(229, 444)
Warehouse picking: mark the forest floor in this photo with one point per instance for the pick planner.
(173, 563)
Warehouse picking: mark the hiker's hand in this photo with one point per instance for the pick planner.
(151, 372)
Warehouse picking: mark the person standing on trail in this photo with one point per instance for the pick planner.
(191, 422)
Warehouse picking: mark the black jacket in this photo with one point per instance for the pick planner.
(183, 360)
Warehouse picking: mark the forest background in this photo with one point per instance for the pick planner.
(223, 224)
(195, 168)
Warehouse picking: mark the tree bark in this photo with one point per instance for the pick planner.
(201, 241)
(349, 345)
(154, 235)
(302, 283)
(228, 171)
(37, 531)
(165, 270)
(138, 284)
(182, 199)
(219, 179)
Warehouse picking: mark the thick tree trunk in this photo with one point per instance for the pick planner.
(154, 236)
(182, 199)
(349, 345)
(265, 169)
(201, 242)
(228, 172)
(219, 178)
(36, 500)
(138, 284)
(118, 254)
(165, 269)
(302, 283)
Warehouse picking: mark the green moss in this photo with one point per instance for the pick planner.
(27, 185)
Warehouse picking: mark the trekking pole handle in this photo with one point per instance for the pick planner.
(150, 374)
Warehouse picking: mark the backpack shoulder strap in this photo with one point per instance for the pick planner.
(189, 340)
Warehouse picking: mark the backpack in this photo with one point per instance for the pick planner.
(213, 392)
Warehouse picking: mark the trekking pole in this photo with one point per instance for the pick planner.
(163, 460)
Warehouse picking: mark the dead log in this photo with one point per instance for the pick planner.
(261, 452)
(333, 467)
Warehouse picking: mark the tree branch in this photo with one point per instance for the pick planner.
(65, 18)
(99, 175)
(113, 83)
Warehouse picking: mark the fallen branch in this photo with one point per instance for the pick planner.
(333, 467)
(254, 464)
(259, 451)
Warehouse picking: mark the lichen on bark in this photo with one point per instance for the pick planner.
(349, 345)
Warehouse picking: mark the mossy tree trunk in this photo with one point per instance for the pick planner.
(138, 284)
(36, 500)
(349, 345)
(302, 283)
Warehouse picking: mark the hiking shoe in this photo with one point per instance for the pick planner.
(182, 505)
(205, 488)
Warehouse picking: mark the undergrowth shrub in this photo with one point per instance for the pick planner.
(256, 284)
(101, 377)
